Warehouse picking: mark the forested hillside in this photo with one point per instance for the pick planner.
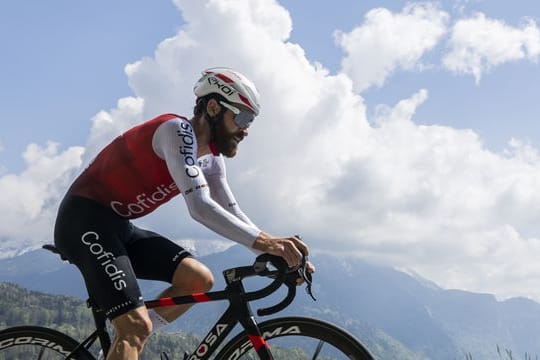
(19, 306)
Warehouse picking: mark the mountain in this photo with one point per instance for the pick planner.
(391, 311)
(43, 271)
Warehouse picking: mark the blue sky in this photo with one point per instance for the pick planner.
(493, 107)
(404, 168)
(64, 61)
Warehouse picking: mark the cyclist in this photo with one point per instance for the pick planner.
(141, 170)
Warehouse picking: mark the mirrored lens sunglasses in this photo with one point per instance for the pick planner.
(242, 119)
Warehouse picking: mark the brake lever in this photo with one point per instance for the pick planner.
(307, 277)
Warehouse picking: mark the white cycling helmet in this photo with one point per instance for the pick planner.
(230, 84)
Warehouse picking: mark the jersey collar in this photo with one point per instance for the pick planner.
(214, 149)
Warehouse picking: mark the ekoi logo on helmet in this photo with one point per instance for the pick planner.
(231, 84)
(224, 88)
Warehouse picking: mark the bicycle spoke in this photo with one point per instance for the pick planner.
(318, 350)
(41, 352)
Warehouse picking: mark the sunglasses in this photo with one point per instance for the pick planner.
(242, 119)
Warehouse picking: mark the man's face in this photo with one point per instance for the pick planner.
(228, 134)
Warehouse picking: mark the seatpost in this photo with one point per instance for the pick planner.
(101, 327)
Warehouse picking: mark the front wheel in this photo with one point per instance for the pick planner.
(295, 338)
(34, 342)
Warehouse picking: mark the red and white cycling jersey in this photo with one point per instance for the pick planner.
(127, 174)
(153, 162)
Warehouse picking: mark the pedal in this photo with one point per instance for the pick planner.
(164, 356)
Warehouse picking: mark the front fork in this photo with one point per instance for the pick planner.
(245, 315)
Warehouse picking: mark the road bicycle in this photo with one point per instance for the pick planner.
(306, 338)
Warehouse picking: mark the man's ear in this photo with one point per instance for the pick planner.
(212, 107)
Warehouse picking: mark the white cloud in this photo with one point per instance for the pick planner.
(403, 111)
(387, 41)
(432, 199)
(478, 43)
(29, 200)
(428, 198)
(106, 126)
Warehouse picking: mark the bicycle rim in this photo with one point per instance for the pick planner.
(297, 338)
(38, 343)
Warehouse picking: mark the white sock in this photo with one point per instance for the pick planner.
(157, 321)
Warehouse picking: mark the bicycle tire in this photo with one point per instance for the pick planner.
(340, 344)
(35, 342)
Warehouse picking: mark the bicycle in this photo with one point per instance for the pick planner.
(326, 341)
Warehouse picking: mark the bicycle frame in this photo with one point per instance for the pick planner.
(239, 311)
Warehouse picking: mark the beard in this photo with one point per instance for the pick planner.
(225, 141)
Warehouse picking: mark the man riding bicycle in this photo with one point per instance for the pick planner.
(141, 170)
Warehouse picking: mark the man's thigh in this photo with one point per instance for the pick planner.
(153, 256)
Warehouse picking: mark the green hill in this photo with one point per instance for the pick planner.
(19, 306)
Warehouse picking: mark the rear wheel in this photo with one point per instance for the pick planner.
(295, 338)
(38, 343)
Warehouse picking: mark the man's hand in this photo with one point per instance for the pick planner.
(290, 248)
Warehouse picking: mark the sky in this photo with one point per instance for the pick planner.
(403, 133)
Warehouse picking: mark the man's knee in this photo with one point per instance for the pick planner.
(193, 276)
(204, 281)
(133, 328)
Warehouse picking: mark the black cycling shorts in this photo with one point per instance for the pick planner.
(112, 253)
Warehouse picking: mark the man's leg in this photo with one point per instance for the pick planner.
(154, 257)
(93, 237)
(132, 330)
(191, 276)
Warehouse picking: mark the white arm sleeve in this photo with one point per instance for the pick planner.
(221, 191)
(175, 142)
